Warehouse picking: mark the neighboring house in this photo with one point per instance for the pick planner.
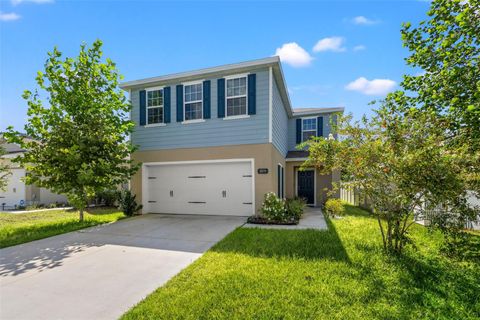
(17, 193)
(216, 140)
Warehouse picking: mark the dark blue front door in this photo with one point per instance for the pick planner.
(306, 185)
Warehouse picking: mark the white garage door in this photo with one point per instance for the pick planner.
(215, 188)
(14, 193)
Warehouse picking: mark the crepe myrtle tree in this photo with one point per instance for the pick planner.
(79, 142)
(398, 161)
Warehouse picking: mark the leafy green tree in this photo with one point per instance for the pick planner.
(4, 170)
(80, 141)
(397, 160)
(446, 47)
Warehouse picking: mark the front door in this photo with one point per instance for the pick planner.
(306, 185)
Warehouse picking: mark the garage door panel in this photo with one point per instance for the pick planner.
(222, 188)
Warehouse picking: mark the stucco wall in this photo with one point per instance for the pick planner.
(264, 155)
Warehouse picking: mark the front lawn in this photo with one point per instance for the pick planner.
(16, 228)
(337, 274)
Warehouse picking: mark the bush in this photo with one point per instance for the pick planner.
(107, 197)
(334, 208)
(295, 207)
(127, 203)
(273, 208)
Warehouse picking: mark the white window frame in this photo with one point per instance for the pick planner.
(196, 101)
(316, 126)
(240, 116)
(147, 90)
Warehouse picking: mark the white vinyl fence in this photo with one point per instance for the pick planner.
(354, 196)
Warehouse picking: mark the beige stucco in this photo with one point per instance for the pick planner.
(264, 155)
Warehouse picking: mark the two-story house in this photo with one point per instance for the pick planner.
(215, 141)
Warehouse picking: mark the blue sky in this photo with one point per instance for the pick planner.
(335, 53)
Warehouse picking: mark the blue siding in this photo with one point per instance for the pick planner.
(292, 129)
(212, 132)
(279, 122)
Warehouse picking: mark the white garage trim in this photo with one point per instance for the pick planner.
(145, 165)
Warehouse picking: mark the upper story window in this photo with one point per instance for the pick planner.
(309, 128)
(155, 106)
(193, 101)
(236, 96)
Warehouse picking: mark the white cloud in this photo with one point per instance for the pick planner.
(9, 16)
(294, 55)
(15, 2)
(359, 47)
(330, 44)
(362, 20)
(375, 87)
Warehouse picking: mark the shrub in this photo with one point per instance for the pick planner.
(334, 208)
(127, 203)
(107, 197)
(295, 207)
(273, 208)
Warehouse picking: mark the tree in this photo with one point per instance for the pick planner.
(447, 48)
(79, 142)
(397, 160)
(4, 170)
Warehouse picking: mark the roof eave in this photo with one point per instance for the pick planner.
(320, 111)
(266, 62)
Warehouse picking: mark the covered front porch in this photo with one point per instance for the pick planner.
(307, 183)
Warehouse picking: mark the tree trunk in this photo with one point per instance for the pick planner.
(83, 205)
(383, 233)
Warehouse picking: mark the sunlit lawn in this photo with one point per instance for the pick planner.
(337, 274)
(16, 228)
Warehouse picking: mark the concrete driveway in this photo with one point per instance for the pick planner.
(100, 272)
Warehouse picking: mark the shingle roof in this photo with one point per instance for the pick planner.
(12, 148)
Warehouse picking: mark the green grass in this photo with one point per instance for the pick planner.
(337, 274)
(17, 228)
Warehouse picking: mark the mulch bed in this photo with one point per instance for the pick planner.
(262, 220)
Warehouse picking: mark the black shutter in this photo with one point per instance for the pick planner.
(206, 99)
(221, 98)
(166, 104)
(179, 103)
(279, 181)
(143, 107)
(252, 93)
(320, 127)
(283, 183)
(299, 130)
